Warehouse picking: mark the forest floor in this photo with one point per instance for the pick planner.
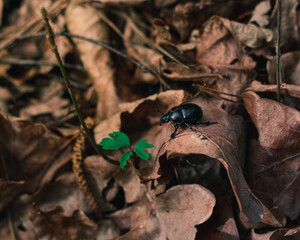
(128, 63)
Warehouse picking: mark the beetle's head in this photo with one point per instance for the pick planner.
(164, 119)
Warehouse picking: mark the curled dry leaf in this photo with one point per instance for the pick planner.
(290, 93)
(223, 141)
(275, 160)
(172, 215)
(285, 89)
(86, 21)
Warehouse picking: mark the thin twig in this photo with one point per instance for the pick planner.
(277, 48)
(101, 43)
(50, 35)
(29, 62)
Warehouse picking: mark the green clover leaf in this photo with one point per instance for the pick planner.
(123, 160)
(117, 140)
(140, 146)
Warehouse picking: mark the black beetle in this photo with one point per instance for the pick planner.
(187, 114)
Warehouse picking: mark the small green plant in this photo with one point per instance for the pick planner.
(119, 140)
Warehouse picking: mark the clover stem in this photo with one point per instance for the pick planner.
(50, 36)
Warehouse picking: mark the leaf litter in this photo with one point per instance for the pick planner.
(237, 178)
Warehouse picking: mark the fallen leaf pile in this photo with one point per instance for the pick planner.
(129, 62)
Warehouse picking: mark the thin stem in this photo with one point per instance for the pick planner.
(70, 35)
(50, 36)
(278, 75)
(29, 62)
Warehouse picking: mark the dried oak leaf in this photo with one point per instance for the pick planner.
(219, 49)
(223, 141)
(278, 125)
(30, 152)
(274, 162)
(171, 215)
(87, 21)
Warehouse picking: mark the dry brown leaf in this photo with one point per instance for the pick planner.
(62, 192)
(248, 34)
(263, 236)
(143, 110)
(290, 93)
(180, 210)
(217, 48)
(5, 96)
(223, 141)
(276, 123)
(86, 21)
(200, 73)
(56, 224)
(30, 152)
(221, 225)
(131, 184)
(101, 170)
(260, 14)
(289, 25)
(286, 234)
(9, 190)
(172, 215)
(290, 64)
(121, 218)
(142, 53)
(54, 106)
(275, 160)
(285, 89)
(163, 3)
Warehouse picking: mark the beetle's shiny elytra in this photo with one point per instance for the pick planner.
(187, 114)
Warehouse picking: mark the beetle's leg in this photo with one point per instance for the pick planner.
(189, 126)
(173, 134)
